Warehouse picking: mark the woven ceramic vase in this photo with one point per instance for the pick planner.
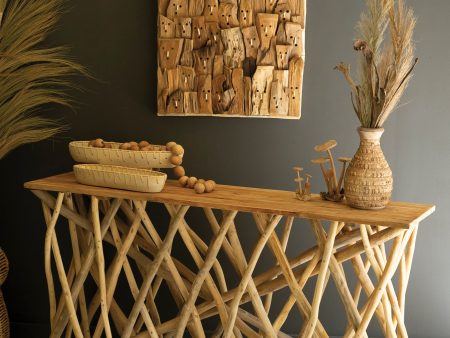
(368, 181)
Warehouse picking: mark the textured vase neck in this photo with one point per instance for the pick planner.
(372, 135)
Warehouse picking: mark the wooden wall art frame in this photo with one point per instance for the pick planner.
(231, 58)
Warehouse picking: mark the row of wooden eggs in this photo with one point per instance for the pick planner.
(199, 185)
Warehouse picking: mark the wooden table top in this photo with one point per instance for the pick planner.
(397, 214)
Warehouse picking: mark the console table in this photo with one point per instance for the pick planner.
(378, 245)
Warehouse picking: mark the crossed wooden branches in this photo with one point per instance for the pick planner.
(126, 226)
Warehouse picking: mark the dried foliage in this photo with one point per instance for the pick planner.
(386, 47)
(30, 75)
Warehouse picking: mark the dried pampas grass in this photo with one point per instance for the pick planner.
(30, 75)
(385, 65)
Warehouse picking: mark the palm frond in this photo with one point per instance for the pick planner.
(386, 60)
(30, 75)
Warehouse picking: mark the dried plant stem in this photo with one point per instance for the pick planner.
(385, 65)
(30, 76)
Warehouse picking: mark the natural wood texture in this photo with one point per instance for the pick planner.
(234, 52)
(199, 33)
(205, 293)
(166, 27)
(203, 61)
(186, 79)
(170, 52)
(251, 40)
(214, 37)
(397, 214)
(211, 10)
(246, 13)
(295, 37)
(262, 82)
(267, 25)
(218, 85)
(204, 94)
(279, 101)
(177, 9)
(222, 38)
(187, 58)
(295, 86)
(196, 7)
(228, 15)
(283, 55)
(237, 80)
(183, 28)
(175, 103)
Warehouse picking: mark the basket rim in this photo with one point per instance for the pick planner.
(105, 168)
(85, 145)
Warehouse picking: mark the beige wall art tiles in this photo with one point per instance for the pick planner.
(231, 58)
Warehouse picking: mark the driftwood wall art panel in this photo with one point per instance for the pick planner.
(228, 58)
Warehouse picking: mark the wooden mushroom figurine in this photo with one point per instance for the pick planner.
(300, 192)
(298, 179)
(322, 161)
(326, 147)
(345, 161)
(307, 189)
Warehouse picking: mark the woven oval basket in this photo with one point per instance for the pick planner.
(134, 179)
(81, 152)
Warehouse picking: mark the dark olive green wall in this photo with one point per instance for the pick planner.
(115, 40)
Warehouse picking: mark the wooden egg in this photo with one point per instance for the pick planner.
(98, 143)
(176, 160)
(91, 143)
(202, 181)
(125, 146)
(179, 171)
(108, 145)
(135, 147)
(177, 150)
(199, 188)
(170, 145)
(192, 181)
(209, 186)
(147, 148)
(183, 181)
(143, 144)
(213, 183)
(135, 144)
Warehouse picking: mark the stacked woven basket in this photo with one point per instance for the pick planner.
(113, 167)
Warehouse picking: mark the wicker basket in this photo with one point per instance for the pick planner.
(368, 181)
(82, 153)
(4, 320)
(142, 180)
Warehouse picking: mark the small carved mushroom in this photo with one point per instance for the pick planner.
(308, 184)
(344, 161)
(299, 181)
(326, 147)
(322, 161)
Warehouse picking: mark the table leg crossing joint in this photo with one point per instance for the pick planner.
(146, 256)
